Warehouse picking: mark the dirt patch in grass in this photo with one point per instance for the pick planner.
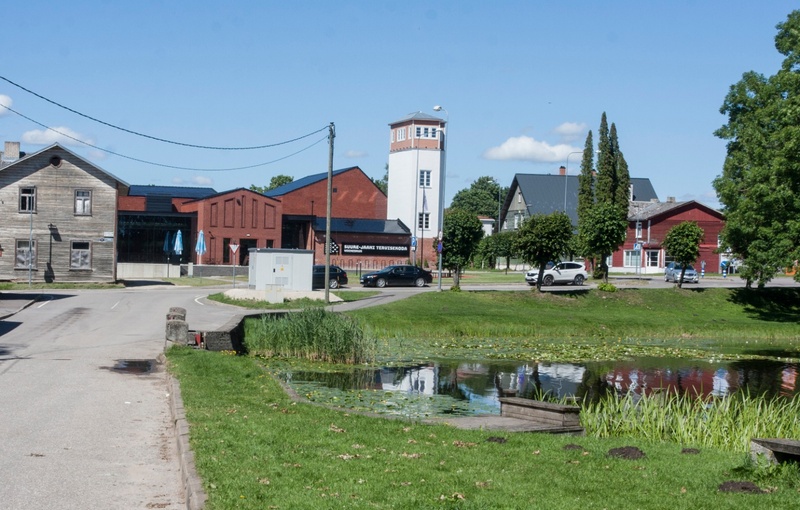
(690, 451)
(572, 446)
(746, 487)
(626, 452)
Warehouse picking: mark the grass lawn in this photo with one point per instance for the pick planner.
(256, 448)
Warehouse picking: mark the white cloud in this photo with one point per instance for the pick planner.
(570, 131)
(525, 148)
(5, 100)
(51, 136)
(355, 154)
(202, 180)
(198, 180)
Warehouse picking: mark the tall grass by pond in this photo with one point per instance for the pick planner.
(311, 334)
(726, 423)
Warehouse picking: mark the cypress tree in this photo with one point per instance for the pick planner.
(621, 179)
(586, 181)
(604, 186)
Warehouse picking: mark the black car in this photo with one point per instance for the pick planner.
(338, 277)
(397, 275)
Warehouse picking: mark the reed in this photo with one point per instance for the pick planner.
(727, 423)
(311, 334)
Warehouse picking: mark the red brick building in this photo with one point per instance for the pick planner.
(649, 222)
(241, 217)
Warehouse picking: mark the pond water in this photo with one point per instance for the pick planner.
(468, 388)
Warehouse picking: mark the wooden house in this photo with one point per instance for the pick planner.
(58, 217)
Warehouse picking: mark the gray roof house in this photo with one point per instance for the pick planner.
(531, 194)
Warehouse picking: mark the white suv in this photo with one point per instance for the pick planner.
(564, 272)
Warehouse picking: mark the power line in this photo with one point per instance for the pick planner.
(210, 147)
(162, 164)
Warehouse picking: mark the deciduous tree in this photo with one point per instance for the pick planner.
(602, 232)
(276, 182)
(462, 231)
(682, 243)
(500, 245)
(542, 238)
(482, 197)
(759, 187)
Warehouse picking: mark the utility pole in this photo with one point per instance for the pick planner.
(331, 136)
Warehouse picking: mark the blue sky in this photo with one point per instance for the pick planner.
(522, 83)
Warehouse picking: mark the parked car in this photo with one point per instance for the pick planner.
(673, 273)
(563, 272)
(397, 275)
(338, 277)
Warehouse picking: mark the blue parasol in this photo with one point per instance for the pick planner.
(200, 247)
(178, 243)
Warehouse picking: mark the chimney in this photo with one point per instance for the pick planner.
(670, 200)
(562, 170)
(11, 152)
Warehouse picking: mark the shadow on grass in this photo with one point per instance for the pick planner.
(770, 304)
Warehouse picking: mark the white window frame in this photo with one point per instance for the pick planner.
(80, 258)
(651, 258)
(83, 204)
(424, 221)
(27, 199)
(638, 230)
(401, 134)
(22, 254)
(418, 132)
(633, 258)
(424, 178)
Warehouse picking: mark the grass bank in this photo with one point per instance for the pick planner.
(589, 325)
(256, 448)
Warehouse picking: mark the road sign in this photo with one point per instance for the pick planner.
(234, 247)
(413, 241)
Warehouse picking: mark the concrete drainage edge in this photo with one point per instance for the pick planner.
(193, 486)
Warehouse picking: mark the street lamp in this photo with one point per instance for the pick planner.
(566, 177)
(438, 108)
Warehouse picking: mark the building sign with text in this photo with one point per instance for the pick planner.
(374, 249)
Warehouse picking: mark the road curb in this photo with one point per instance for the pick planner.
(193, 486)
(26, 305)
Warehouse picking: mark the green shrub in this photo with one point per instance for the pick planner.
(312, 334)
(606, 287)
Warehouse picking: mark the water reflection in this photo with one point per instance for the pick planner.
(479, 385)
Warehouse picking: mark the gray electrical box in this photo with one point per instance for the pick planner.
(288, 269)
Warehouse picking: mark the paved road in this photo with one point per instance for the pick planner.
(74, 433)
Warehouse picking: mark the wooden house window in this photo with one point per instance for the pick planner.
(27, 199)
(83, 202)
(26, 253)
(80, 255)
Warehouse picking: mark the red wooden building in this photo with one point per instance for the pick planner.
(648, 224)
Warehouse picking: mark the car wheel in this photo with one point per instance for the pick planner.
(381, 283)
(333, 284)
(548, 280)
(419, 282)
(578, 279)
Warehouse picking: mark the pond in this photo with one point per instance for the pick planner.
(469, 388)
